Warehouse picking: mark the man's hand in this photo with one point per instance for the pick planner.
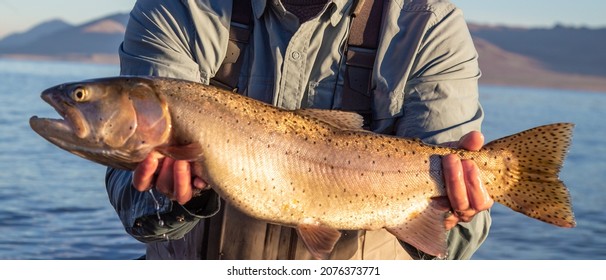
(466, 194)
(171, 177)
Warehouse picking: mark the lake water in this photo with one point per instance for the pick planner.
(513, 236)
(53, 205)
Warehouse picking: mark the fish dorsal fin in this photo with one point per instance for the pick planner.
(340, 119)
(425, 230)
(318, 239)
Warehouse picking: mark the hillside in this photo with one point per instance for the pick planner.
(95, 41)
(502, 67)
(558, 57)
(560, 48)
(40, 30)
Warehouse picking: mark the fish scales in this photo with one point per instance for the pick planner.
(314, 170)
(320, 171)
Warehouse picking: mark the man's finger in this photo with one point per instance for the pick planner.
(478, 196)
(182, 178)
(198, 183)
(455, 182)
(472, 141)
(450, 221)
(165, 180)
(143, 176)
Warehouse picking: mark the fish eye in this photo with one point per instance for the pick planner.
(79, 94)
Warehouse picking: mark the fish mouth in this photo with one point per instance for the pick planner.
(60, 133)
(73, 122)
(46, 126)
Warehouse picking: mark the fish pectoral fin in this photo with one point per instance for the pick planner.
(186, 152)
(318, 239)
(425, 230)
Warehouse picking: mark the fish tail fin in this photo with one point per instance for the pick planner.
(532, 185)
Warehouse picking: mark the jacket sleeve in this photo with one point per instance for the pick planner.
(156, 44)
(150, 216)
(441, 103)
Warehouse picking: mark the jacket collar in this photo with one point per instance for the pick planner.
(337, 8)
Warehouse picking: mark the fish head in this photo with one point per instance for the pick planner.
(113, 121)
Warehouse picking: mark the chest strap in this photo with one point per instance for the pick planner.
(360, 57)
(239, 35)
(361, 50)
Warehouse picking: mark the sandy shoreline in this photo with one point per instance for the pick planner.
(94, 58)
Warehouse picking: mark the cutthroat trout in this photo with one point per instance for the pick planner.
(314, 170)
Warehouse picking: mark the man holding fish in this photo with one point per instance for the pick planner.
(299, 54)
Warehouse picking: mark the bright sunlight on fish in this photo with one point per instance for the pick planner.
(315, 170)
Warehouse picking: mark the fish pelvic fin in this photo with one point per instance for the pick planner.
(532, 185)
(425, 230)
(319, 240)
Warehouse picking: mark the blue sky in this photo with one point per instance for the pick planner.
(19, 15)
(541, 13)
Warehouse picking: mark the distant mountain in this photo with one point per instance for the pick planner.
(558, 57)
(97, 40)
(561, 48)
(42, 29)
